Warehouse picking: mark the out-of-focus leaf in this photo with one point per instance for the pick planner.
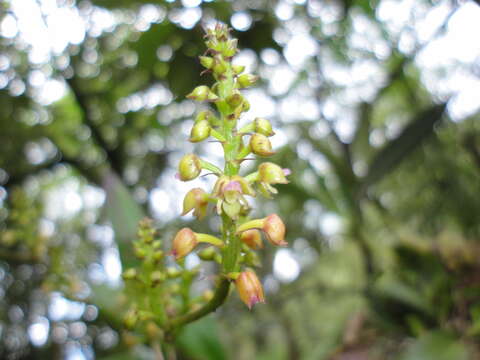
(435, 346)
(395, 151)
(199, 341)
(123, 212)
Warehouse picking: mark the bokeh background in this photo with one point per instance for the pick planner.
(376, 109)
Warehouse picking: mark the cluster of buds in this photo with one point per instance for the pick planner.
(157, 292)
(234, 250)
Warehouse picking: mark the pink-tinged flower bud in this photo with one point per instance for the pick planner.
(272, 226)
(206, 61)
(249, 288)
(200, 131)
(197, 200)
(274, 230)
(189, 167)
(246, 80)
(260, 145)
(183, 243)
(270, 173)
(252, 238)
(263, 126)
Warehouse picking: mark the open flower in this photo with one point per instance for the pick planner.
(229, 191)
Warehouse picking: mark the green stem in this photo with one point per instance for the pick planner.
(217, 300)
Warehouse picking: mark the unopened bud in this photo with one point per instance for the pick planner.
(230, 48)
(158, 256)
(157, 277)
(272, 226)
(249, 288)
(234, 100)
(183, 243)
(130, 319)
(196, 199)
(206, 61)
(207, 254)
(207, 295)
(274, 230)
(246, 80)
(140, 253)
(263, 126)
(200, 93)
(271, 173)
(260, 145)
(252, 238)
(129, 274)
(189, 167)
(173, 273)
(200, 131)
(238, 69)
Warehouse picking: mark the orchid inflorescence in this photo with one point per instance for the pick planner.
(240, 235)
(169, 304)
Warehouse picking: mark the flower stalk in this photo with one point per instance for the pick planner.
(234, 248)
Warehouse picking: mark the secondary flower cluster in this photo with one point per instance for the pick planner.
(233, 250)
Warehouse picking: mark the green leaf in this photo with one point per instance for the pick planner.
(199, 340)
(399, 148)
(123, 212)
(436, 346)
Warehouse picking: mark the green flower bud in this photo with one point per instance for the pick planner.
(200, 131)
(196, 199)
(271, 173)
(229, 48)
(157, 277)
(235, 100)
(207, 254)
(219, 66)
(158, 256)
(246, 80)
(129, 274)
(130, 319)
(260, 145)
(189, 167)
(200, 93)
(263, 126)
(140, 253)
(207, 295)
(206, 61)
(238, 69)
(173, 273)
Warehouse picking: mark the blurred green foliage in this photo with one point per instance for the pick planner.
(382, 222)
